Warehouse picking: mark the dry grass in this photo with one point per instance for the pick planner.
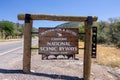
(109, 56)
(34, 51)
(9, 40)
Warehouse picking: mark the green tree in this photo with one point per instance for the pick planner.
(81, 30)
(102, 31)
(1, 29)
(7, 28)
(116, 34)
(18, 32)
(114, 29)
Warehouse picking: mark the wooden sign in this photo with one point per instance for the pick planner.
(58, 40)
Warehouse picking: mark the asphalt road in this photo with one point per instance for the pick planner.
(7, 47)
(12, 51)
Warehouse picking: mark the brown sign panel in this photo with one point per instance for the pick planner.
(58, 40)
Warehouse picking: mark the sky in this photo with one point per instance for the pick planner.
(103, 9)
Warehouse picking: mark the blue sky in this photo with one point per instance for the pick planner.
(104, 9)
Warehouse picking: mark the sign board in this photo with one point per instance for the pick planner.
(58, 40)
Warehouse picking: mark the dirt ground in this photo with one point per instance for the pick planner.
(55, 70)
(60, 69)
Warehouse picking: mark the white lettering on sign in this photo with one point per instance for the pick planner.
(58, 39)
(63, 30)
(58, 52)
(71, 32)
(48, 48)
(45, 32)
(58, 48)
(67, 48)
(58, 43)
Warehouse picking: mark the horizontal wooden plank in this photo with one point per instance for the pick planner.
(56, 17)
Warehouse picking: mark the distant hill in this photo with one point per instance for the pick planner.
(70, 25)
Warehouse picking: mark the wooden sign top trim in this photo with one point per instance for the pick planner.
(56, 17)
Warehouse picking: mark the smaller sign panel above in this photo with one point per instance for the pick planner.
(58, 40)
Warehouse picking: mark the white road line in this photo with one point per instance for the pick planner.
(14, 49)
(9, 51)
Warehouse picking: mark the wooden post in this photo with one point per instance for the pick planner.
(88, 45)
(27, 44)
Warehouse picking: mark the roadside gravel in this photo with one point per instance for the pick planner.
(54, 70)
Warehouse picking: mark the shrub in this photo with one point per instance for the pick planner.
(118, 44)
(102, 37)
(81, 30)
